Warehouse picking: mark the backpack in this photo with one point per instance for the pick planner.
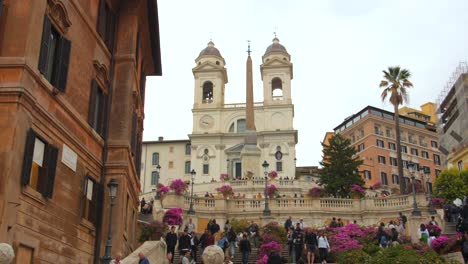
(383, 241)
(424, 237)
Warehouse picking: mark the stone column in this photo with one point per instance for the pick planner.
(412, 226)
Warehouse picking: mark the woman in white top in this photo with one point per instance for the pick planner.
(323, 247)
(423, 233)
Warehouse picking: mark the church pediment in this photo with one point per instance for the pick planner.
(235, 149)
(207, 66)
(276, 62)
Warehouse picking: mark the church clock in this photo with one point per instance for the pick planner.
(206, 121)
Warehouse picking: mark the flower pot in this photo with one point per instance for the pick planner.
(225, 195)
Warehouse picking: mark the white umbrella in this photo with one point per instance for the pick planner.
(457, 202)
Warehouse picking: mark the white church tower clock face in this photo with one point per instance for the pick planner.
(206, 121)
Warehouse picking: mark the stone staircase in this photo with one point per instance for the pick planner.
(237, 256)
(449, 229)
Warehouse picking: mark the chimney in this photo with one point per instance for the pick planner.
(160, 138)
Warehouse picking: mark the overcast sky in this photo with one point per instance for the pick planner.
(338, 47)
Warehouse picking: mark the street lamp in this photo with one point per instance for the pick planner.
(191, 211)
(266, 211)
(227, 169)
(411, 168)
(427, 173)
(112, 194)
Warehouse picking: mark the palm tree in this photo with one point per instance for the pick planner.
(395, 84)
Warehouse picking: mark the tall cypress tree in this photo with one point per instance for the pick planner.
(340, 168)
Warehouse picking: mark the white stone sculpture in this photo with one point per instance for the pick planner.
(213, 255)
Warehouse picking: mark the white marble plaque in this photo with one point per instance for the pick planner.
(69, 157)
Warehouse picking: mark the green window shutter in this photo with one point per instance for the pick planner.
(44, 53)
(101, 23)
(52, 155)
(28, 157)
(63, 61)
(103, 119)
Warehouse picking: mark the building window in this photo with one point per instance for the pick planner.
(404, 149)
(395, 179)
(377, 130)
(381, 159)
(206, 169)
(171, 149)
(361, 133)
(393, 161)
(207, 92)
(405, 163)
(429, 186)
(436, 159)
(240, 125)
(360, 147)
(279, 166)
(155, 160)
(437, 172)
(391, 146)
(54, 56)
(188, 149)
(171, 165)
(460, 165)
(434, 144)
(187, 167)
(106, 24)
(276, 87)
(425, 154)
(367, 175)
(383, 178)
(90, 191)
(154, 178)
(97, 114)
(380, 143)
(388, 132)
(422, 142)
(39, 164)
(414, 151)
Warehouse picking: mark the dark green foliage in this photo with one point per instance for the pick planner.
(340, 169)
(401, 255)
(239, 225)
(153, 231)
(352, 257)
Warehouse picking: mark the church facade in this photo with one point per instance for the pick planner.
(233, 139)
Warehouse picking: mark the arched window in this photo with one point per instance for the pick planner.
(277, 87)
(207, 92)
(155, 160)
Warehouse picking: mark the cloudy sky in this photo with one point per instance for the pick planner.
(338, 47)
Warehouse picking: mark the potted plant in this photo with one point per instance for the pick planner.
(173, 216)
(273, 174)
(162, 191)
(377, 185)
(272, 191)
(153, 231)
(438, 202)
(226, 190)
(316, 192)
(357, 191)
(223, 177)
(178, 186)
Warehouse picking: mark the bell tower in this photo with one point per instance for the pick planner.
(210, 78)
(277, 73)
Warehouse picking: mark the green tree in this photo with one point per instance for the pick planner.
(395, 84)
(340, 166)
(451, 184)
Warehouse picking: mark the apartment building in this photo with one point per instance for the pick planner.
(372, 132)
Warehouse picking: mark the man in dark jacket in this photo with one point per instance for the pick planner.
(184, 242)
(275, 258)
(214, 228)
(171, 241)
(244, 247)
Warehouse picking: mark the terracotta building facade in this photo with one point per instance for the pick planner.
(372, 133)
(72, 82)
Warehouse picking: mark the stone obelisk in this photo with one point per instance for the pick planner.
(250, 154)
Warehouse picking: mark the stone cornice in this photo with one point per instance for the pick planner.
(58, 15)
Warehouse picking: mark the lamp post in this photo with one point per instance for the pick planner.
(416, 211)
(427, 173)
(227, 168)
(191, 211)
(112, 194)
(266, 211)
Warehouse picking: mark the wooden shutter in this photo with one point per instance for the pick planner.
(142, 87)
(92, 102)
(1, 8)
(28, 157)
(110, 34)
(103, 124)
(52, 155)
(61, 68)
(44, 53)
(101, 24)
(93, 203)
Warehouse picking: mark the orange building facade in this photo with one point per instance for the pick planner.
(72, 80)
(372, 133)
